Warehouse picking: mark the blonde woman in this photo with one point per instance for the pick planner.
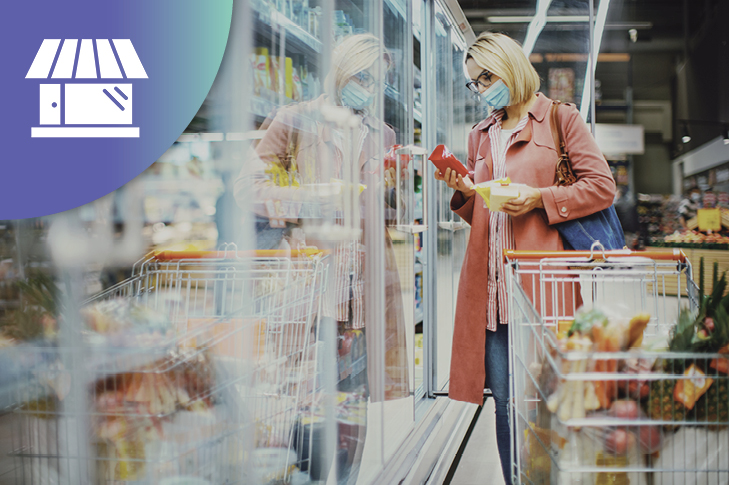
(514, 141)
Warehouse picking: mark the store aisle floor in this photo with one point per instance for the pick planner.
(480, 463)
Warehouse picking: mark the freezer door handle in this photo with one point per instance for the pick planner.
(452, 225)
(413, 152)
(411, 228)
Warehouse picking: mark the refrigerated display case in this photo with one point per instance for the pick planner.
(274, 168)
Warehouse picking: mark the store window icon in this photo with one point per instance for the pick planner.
(98, 103)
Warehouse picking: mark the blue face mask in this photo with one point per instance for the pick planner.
(497, 95)
(356, 97)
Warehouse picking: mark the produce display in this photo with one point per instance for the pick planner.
(693, 239)
(594, 414)
(659, 219)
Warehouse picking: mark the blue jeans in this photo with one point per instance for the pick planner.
(497, 379)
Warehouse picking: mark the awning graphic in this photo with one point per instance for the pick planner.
(116, 60)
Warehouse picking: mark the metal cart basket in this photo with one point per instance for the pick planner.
(657, 440)
(196, 366)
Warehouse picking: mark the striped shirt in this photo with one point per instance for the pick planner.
(501, 235)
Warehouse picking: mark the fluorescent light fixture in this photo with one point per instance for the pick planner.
(536, 26)
(522, 19)
(602, 11)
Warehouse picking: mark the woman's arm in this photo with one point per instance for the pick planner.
(595, 187)
(259, 178)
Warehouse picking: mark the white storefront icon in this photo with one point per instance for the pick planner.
(95, 105)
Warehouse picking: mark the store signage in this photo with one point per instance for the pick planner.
(86, 106)
(709, 220)
(94, 95)
(620, 139)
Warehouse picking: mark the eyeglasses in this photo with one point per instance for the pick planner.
(473, 85)
(365, 79)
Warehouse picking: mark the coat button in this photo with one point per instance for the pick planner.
(564, 209)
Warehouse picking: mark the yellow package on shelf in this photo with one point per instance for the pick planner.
(709, 219)
(496, 192)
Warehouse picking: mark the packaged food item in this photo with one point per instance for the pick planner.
(289, 77)
(496, 193)
(297, 93)
(275, 70)
(688, 391)
(314, 21)
(262, 70)
(442, 158)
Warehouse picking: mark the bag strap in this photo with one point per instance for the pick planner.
(557, 129)
(563, 174)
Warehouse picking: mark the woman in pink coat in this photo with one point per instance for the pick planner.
(515, 141)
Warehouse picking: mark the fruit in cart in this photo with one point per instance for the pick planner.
(571, 394)
(661, 404)
(625, 409)
(650, 438)
(619, 441)
(636, 327)
(713, 407)
(721, 364)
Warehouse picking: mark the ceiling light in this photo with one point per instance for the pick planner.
(685, 135)
(725, 134)
(522, 19)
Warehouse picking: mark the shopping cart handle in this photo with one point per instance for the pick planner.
(168, 255)
(663, 255)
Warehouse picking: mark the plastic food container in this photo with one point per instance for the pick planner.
(497, 192)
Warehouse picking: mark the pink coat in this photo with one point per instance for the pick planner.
(530, 160)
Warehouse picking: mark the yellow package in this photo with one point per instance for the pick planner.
(496, 192)
(688, 391)
(289, 75)
(339, 186)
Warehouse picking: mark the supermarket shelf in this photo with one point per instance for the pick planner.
(163, 184)
(397, 7)
(296, 36)
(262, 107)
(392, 93)
(419, 316)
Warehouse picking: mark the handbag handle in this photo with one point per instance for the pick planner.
(563, 174)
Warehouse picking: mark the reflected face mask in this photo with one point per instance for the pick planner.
(356, 97)
(497, 95)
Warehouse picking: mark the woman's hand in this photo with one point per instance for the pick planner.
(529, 200)
(456, 182)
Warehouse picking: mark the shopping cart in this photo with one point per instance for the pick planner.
(563, 435)
(198, 365)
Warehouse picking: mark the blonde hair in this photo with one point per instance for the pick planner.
(503, 56)
(354, 54)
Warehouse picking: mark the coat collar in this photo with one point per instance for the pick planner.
(537, 112)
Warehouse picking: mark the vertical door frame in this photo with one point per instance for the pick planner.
(428, 66)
